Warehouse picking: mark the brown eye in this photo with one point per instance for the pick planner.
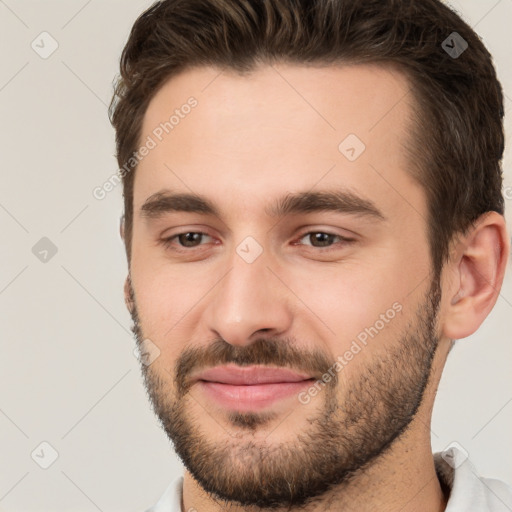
(321, 239)
(189, 239)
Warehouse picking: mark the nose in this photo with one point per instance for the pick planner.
(248, 302)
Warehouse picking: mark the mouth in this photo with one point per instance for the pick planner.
(251, 388)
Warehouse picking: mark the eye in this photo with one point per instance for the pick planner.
(192, 239)
(322, 239)
(188, 239)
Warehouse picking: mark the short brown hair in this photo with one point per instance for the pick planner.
(457, 142)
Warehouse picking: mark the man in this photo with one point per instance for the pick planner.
(313, 214)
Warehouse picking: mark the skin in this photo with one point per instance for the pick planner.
(250, 141)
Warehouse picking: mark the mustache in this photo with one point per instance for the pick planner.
(263, 351)
(282, 353)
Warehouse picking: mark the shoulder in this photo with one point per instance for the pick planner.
(467, 489)
(498, 494)
(170, 501)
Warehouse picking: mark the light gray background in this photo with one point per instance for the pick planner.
(67, 369)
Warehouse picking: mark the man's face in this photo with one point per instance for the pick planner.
(343, 292)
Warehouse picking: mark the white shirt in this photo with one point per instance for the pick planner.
(469, 492)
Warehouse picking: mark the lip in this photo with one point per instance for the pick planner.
(251, 375)
(250, 388)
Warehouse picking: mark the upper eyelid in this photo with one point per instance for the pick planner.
(303, 230)
(301, 235)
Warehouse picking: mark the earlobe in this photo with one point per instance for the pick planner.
(480, 266)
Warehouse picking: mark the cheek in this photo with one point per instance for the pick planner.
(171, 300)
(163, 297)
(347, 305)
(358, 300)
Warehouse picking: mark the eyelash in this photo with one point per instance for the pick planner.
(167, 242)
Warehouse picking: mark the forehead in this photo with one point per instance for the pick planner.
(278, 128)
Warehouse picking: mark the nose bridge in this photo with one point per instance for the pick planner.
(248, 298)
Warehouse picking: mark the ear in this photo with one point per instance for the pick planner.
(121, 227)
(477, 269)
(128, 290)
(128, 295)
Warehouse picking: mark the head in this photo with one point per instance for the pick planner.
(350, 119)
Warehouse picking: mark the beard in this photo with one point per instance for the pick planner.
(350, 430)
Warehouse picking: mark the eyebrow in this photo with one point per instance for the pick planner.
(338, 201)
